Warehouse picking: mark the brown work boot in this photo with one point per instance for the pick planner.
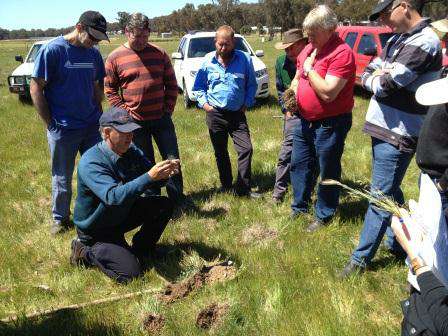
(78, 255)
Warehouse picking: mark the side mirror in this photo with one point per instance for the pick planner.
(19, 58)
(369, 52)
(176, 55)
(259, 53)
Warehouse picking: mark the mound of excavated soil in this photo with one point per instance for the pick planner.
(153, 323)
(207, 275)
(211, 316)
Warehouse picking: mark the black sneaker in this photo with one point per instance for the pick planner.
(350, 269)
(250, 194)
(78, 255)
(60, 226)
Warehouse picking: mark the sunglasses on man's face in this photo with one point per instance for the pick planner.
(389, 11)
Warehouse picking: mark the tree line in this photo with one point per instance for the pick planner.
(241, 16)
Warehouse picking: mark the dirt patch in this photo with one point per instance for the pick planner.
(211, 316)
(220, 273)
(153, 323)
(207, 275)
(258, 234)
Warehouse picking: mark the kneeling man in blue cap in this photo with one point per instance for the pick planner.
(114, 197)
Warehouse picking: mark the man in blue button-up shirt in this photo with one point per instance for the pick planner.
(114, 197)
(225, 86)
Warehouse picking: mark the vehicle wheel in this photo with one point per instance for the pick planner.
(187, 101)
(25, 99)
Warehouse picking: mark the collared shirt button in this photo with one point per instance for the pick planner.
(406, 303)
(413, 331)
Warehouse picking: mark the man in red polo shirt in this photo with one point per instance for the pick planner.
(326, 75)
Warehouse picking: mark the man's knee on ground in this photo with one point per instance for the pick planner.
(116, 261)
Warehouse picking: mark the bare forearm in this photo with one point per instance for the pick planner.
(40, 102)
(320, 86)
(99, 94)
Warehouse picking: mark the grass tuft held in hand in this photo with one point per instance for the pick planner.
(380, 200)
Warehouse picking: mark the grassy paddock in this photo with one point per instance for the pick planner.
(285, 285)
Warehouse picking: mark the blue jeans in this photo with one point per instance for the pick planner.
(318, 147)
(284, 158)
(164, 134)
(389, 168)
(64, 146)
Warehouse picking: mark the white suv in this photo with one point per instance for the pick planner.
(190, 55)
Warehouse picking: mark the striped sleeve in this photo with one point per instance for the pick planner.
(112, 84)
(423, 55)
(170, 83)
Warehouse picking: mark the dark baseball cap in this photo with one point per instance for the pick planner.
(382, 5)
(95, 23)
(119, 119)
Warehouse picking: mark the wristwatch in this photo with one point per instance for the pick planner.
(305, 72)
(416, 264)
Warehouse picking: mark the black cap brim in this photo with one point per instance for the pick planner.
(378, 9)
(126, 128)
(99, 35)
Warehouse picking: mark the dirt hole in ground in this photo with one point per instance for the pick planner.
(212, 315)
(207, 275)
(153, 323)
(258, 234)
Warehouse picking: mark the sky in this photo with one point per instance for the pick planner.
(43, 14)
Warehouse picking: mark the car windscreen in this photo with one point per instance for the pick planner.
(33, 53)
(201, 46)
(384, 37)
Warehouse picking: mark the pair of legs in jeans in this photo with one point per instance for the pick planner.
(282, 176)
(221, 124)
(389, 166)
(64, 145)
(318, 147)
(164, 134)
(107, 249)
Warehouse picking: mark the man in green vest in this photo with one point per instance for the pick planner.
(285, 70)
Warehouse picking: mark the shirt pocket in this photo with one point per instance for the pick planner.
(235, 79)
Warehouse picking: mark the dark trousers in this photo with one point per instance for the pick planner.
(164, 134)
(107, 248)
(284, 158)
(317, 148)
(221, 124)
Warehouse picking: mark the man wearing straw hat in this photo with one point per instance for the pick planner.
(285, 70)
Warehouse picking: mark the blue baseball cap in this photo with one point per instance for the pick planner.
(119, 119)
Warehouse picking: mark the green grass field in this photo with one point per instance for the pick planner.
(285, 284)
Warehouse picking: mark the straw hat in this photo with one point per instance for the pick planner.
(290, 37)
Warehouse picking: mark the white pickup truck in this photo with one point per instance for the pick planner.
(19, 81)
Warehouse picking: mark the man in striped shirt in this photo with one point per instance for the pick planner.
(141, 80)
(411, 58)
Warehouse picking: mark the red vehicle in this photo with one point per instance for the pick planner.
(367, 43)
